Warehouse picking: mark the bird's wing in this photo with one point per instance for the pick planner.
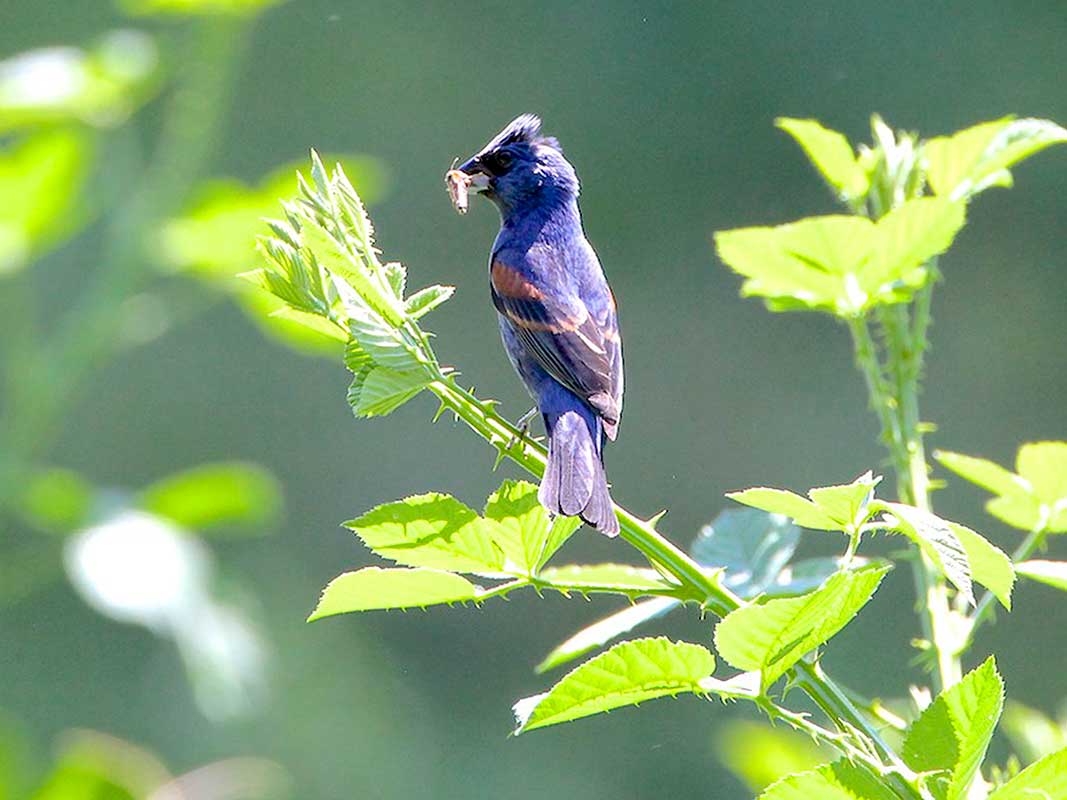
(564, 336)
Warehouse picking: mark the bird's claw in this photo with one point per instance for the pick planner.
(523, 424)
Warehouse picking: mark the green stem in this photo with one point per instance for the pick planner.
(531, 456)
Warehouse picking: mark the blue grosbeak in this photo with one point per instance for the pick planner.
(557, 314)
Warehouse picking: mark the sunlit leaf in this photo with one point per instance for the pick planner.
(625, 675)
(990, 566)
(831, 508)
(982, 472)
(522, 523)
(1044, 466)
(973, 159)
(842, 264)
(831, 154)
(225, 494)
(606, 629)
(41, 179)
(773, 635)
(619, 578)
(952, 734)
(937, 539)
(384, 390)
(196, 7)
(1052, 573)
(750, 546)
(426, 300)
(838, 781)
(374, 588)
(101, 86)
(1043, 780)
(431, 530)
(760, 754)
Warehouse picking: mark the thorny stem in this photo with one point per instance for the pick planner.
(481, 417)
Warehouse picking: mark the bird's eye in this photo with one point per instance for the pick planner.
(501, 162)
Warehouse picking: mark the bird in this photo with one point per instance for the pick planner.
(557, 315)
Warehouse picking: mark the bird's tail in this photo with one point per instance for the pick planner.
(575, 484)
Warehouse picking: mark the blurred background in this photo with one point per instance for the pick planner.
(174, 472)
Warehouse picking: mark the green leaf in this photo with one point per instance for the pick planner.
(618, 578)
(760, 754)
(773, 635)
(625, 675)
(41, 181)
(523, 524)
(382, 391)
(838, 781)
(426, 300)
(1044, 780)
(831, 508)
(844, 265)
(603, 631)
(831, 154)
(100, 86)
(780, 501)
(1044, 466)
(397, 276)
(230, 493)
(196, 7)
(374, 589)
(990, 566)
(751, 546)
(952, 734)
(1035, 498)
(937, 539)
(973, 159)
(1052, 573)
(562, 529)
(982, 472)
(431, 530)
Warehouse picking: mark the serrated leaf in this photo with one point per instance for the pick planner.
(396, 275)
(973, 159)
(1023, 511)
(426, 300)
(844, 265)
(990, 566)
(780, 501)
(619, 578)
(773, 635)
(838, 781)
(831, 508)
(625, 675)
(936, 538)
(1043, 780)
(374, 589)
(603, 631)
(522, 522)
(1051, 573)
(809, 573)
(386, 344)
(229, 493)
(382, 391)
(953, 733)
(431, 530)
(982, 472)
(562, 529)
(831, 154)
(750, 546)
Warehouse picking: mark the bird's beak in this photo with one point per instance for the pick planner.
(479, 179)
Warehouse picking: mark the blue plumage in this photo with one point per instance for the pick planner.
(557, 315)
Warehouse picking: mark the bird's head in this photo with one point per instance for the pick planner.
(520, 168)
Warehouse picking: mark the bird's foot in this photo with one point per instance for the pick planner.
(523, 424)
